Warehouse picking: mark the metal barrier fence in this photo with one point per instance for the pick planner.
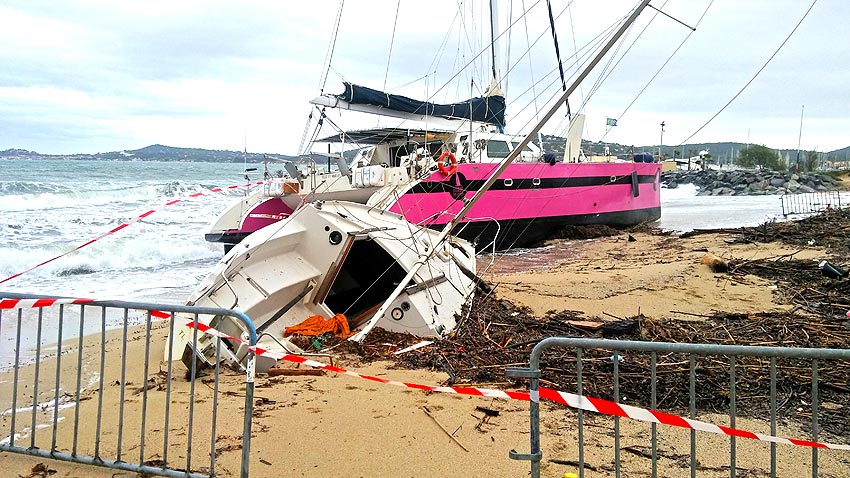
(749, 370)
(806, 203)
(82, 365)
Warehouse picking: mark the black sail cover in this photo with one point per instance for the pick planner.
(486, 109)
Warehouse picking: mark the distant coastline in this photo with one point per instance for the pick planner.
(722, 152)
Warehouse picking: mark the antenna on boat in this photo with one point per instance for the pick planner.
(494, 176)
(245, 156)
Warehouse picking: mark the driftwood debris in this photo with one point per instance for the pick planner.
(292, 372)
(497, 333)
(428, 412)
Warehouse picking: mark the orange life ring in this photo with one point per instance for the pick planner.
(442, 167)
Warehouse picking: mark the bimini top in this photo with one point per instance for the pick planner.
(386, 135)
(485, 109)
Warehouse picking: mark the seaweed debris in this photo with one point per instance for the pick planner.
(495, 334)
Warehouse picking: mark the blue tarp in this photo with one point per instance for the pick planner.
(487, 109)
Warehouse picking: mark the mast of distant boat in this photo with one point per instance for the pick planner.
(800, 136)
(502, 166)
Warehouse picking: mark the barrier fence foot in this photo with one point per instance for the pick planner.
(515, 455)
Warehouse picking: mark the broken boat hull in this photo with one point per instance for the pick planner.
(329, 258)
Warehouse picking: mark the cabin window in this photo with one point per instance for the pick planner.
(367, 275)
(498, 149)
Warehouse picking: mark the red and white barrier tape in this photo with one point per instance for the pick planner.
(580, 402)
(133, 221)
(49, 302)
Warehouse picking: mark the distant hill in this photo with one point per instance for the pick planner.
(156, 152)
(721, 152)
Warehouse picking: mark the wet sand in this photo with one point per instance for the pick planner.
(336, 425)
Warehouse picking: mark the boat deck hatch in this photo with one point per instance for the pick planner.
(368, 273)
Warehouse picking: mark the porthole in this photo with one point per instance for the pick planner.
(397, 314)
(335, 237)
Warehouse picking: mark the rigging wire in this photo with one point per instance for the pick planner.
(508, 54)
(575, 47)
(603, 75)
(331, 48)
(654, 76)
(477, 56)
(607, 72)
(323, 78)
(392, 43)
(681, 143)
(582, 56)
(530, 63)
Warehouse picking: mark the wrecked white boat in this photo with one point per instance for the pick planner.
(332, 258)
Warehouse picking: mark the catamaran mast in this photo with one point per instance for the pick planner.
(498, 172)
(494, 43)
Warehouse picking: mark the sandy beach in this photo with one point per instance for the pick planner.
(333, 425)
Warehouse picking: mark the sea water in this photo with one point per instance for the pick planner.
(48, 208)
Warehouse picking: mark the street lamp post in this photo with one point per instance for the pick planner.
(662, 139)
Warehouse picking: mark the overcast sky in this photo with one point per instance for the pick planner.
(95, 76)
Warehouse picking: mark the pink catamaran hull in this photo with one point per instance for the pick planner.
(536, 199)
(528, 203)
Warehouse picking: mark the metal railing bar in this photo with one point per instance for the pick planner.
(616, 358)
(120, 304)
(698, 349)
(192, 377)
(145, 388)
(579, 358)
(79, 379)
(123, 384)
(773, 416)
(100, 385)
(815, 417)
(692, 410)
(15, 384)
(733, 411)
(215, 404)
(249, 409)
(35, 381)
(653, 362)
(168, 376)
(118, 465)
(58, 384)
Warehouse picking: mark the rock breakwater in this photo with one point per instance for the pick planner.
(750, 182)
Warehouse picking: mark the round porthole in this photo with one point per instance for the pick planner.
(335, 237)
(405, 306)
(397, 314)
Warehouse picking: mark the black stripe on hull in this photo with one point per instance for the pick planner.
(458, 181)
(527, 232)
